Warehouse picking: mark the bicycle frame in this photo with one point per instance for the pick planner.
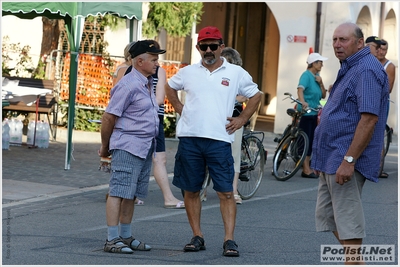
(245, 168)
(292, 147)
(292, 129)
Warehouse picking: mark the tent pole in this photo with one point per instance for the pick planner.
(76, 34)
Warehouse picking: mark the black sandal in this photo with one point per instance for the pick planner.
(196, 244)
(230, 249)
(384, 175)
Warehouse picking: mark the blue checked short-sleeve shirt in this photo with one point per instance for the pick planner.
(361, 86)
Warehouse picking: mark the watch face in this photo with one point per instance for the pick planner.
(349, 159)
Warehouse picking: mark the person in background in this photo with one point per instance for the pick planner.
(386, 63)
(310, 91)
(205, 131)
(128, 131)
(233, 57)
(374, 44)
(391, 72)
(348, 140)
(120, 70)
(160, 158)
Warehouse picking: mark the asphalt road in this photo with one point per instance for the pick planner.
(53, 216)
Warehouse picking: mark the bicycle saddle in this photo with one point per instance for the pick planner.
(291, 112)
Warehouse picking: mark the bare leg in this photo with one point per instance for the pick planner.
(127, 207)
(161, 177)
(235, 181)
(306, 165)
(350, 242)
(238, 199)
(193, 211)
(228, 212)
(113, 206)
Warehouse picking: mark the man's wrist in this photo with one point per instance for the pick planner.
(349, 159)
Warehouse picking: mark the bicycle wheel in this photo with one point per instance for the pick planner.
(387, 139)
(203, 190)
(289, 156)
(251, 167)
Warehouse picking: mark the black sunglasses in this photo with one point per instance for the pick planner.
(213, 47)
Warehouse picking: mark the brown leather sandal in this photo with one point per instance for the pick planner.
(138, 245)
(117, 246)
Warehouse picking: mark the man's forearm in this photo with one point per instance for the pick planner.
(363, 135)
(107, 127)
(173, 98)
(251, 106)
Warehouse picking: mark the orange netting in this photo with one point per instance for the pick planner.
(94, 81)
(171, 69)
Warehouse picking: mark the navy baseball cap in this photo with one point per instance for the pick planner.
(374, 39)
(145, 46)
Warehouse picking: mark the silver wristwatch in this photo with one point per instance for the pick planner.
(349, 159)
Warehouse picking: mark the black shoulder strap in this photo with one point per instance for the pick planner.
(128, 70)
(155, 75)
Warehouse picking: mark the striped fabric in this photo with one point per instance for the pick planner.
(129, 175)
(155, 81)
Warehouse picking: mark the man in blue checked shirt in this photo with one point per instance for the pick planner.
(348, 141)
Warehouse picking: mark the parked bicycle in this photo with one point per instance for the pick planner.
(387, 139)
(292, 147)
(253, 159)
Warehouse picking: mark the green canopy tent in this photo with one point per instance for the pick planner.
(74, 14)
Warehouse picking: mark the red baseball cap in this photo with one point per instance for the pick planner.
(209, 32)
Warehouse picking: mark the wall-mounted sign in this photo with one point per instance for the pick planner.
(296, 39)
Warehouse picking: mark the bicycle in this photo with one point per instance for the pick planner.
(387, 139)
(253, 160)
(292, 147)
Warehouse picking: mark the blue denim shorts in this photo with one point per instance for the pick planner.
(191, 159)
(129, 174)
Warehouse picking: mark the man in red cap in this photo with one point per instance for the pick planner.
(205, 131)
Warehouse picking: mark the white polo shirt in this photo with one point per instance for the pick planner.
(210, 98)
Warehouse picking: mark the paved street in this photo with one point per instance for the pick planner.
(53, 216)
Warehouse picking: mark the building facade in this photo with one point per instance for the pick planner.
(273, 38)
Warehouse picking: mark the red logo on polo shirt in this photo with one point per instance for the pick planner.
(225, 81)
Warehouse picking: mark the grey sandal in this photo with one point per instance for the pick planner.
(135, 244)
(117, 246)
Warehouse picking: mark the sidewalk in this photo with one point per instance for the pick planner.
(32, 174)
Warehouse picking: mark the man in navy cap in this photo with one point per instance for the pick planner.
(374, 44)
(128, 130)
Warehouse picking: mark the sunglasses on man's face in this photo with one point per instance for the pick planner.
(213, 47)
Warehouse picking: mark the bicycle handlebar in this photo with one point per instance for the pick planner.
(308, 109)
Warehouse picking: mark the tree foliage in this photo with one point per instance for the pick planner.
(112, 21)
(175, 17)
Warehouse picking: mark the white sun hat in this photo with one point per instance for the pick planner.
(315, 57)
